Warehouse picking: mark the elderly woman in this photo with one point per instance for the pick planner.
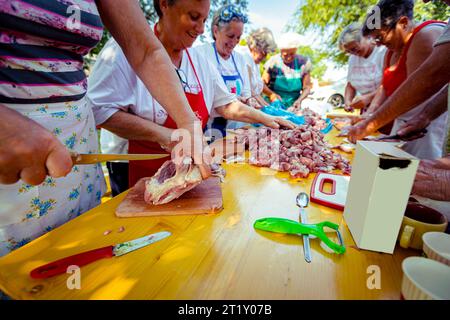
(365, 67)
(409, 45)
(260, 42)
(288, 73)
(44, 111)
(123, 105)
(227, 27)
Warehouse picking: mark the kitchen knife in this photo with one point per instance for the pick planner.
(402, 137)
(91, 158)
(60, 266)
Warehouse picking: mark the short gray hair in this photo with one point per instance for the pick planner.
(350, 34)
(262, 39)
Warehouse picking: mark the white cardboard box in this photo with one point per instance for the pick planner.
(380, 184)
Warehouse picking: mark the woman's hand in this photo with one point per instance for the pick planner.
(359, 131)
(28, 151)
(273, 97)
(277, 122)
(197, 146)
(297, 104)
(360, 102)
(414, 127)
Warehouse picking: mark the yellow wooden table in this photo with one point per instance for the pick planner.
(218, 256)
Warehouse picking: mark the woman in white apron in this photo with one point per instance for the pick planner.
(227, 28)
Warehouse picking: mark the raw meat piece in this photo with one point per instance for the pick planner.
(300, 151)
(170, 182)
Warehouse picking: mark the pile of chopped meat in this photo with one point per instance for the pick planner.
(299, 151)
(312, 118)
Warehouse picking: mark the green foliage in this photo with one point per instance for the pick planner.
(329, 17)
(318, 60)
(150, 15)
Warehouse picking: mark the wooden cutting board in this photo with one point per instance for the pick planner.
(203, 199)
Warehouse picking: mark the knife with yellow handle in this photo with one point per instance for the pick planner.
(91, 158)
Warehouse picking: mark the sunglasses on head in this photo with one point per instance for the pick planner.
(230, 12)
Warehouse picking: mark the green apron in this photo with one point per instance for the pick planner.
(289, 86)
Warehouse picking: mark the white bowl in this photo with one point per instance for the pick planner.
(436, 245)
(425, 279)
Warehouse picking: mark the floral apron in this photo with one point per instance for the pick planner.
(26, 211)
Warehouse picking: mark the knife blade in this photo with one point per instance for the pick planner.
(306, 244)
(91, 158)
(60, 266)
(402, 137)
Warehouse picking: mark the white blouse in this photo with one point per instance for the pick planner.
(365, 74)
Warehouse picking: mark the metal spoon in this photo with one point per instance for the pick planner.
(303, 201)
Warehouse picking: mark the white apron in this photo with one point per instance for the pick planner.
(27, 212)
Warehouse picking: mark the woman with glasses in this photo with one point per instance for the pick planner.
(260, 43)
(227, 27)
(365, 67)
(124, 106)
(288, 73)
(409, 44)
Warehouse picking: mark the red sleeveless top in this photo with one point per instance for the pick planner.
(395, 75)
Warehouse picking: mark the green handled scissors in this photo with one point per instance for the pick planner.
(281, 225)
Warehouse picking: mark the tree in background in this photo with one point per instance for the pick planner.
(329, 17)
(151, 16)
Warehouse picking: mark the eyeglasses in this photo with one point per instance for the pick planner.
(382, 37)
(183, 78)
(230, 12)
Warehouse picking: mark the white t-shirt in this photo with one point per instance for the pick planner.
(366, 74)
(256, 83)
(227, 67)
(114, 86)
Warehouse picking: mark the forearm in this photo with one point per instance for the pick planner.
(306, 87)
(146, 56)
(370, 96)
(377, 101)
(437, 105)
(240, 112)
(350, 93)
(305, 93)
(431, 76)
(267, 91)
(132, 127)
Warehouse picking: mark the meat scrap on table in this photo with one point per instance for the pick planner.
(300, 151)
